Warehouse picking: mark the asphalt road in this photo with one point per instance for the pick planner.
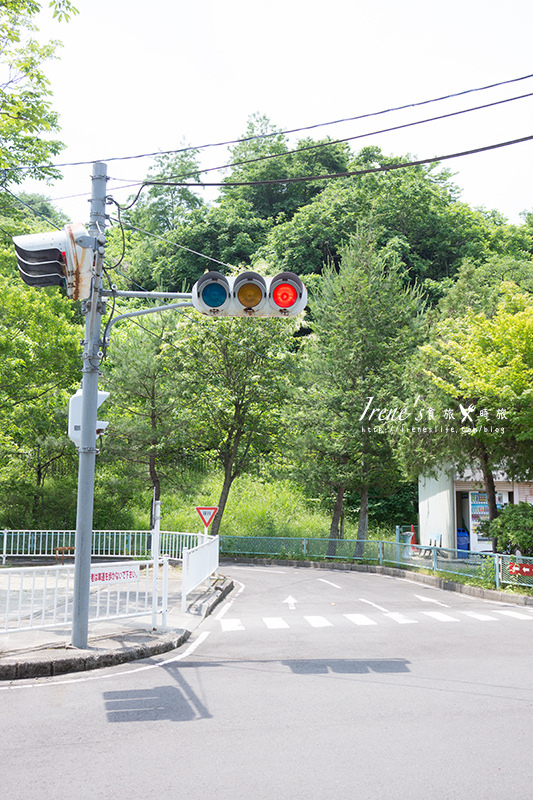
(305, 684)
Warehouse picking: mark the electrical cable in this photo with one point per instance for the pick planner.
(175, 244)
(320, 145)
(27, 205)
(292, 130)
(351, 173)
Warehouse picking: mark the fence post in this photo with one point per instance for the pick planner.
(184, 571)
(497, 567)
(155, 560)
(4, 547)
(435, 564)
(164, 595)
(380, 551)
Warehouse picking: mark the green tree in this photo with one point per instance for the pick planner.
(482, 365)
(234, 378)
(39, 367)
(416, 208)
(147, 430)
(26, 118)
(264, 155)
(512, 530)
(364, 327)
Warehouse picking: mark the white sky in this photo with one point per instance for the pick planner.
(137, 77)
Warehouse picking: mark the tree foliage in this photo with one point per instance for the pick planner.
(26, 117)
(364, 326)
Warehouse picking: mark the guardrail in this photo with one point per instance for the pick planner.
(41, 597)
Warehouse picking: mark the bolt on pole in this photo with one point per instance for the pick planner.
(92, 309)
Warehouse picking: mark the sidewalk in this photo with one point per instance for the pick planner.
(40, 653)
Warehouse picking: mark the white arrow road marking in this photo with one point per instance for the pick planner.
(431, 600)
(291, 602)
(336, 586)
(375, 605)
(275, 622)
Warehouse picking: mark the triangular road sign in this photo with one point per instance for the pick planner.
(207, 514)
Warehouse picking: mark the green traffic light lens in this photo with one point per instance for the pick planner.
(214, 295)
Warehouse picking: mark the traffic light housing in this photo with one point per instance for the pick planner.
(58, 258)
(249, 295)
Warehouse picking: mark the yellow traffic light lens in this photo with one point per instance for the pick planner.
(249, 295)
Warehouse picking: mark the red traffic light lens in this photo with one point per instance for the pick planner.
(285, 295)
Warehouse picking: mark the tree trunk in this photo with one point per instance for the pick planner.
(154, 477)
(490, 489)
(224, 494)
(334, 527)
(362, 528)
(488, 480)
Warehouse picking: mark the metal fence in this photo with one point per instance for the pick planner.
(42, 597)
(106, 544)
(489, 568)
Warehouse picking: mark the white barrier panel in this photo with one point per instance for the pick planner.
(199, 564)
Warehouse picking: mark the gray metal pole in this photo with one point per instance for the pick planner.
(87, 452)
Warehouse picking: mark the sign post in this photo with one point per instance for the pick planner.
(207, 515)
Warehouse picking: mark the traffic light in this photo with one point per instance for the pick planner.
(57, 258)
(249, 295)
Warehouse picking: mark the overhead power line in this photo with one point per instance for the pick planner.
(351, 173)
(302, 129)
(330, 143)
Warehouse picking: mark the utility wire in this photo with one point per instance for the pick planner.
(293, 130)
(351, 173)
(316, 146)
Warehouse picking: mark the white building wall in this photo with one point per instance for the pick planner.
(436, 505)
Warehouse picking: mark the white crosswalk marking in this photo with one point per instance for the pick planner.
(480, 617)
(513, 614)
(401, 619)
(360, 619)
(231, 625)
(275, 622)
(318, 622)
(438, 615)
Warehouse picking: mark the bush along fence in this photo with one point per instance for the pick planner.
(492, 569)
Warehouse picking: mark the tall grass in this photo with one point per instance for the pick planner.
(256, 507)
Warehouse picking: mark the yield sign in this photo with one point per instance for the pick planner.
(207, 514)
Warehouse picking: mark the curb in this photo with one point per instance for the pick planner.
(430, 580)
(61, 660)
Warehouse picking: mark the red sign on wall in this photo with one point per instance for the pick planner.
(520, 569)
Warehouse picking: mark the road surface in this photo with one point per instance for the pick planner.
(305, 684)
